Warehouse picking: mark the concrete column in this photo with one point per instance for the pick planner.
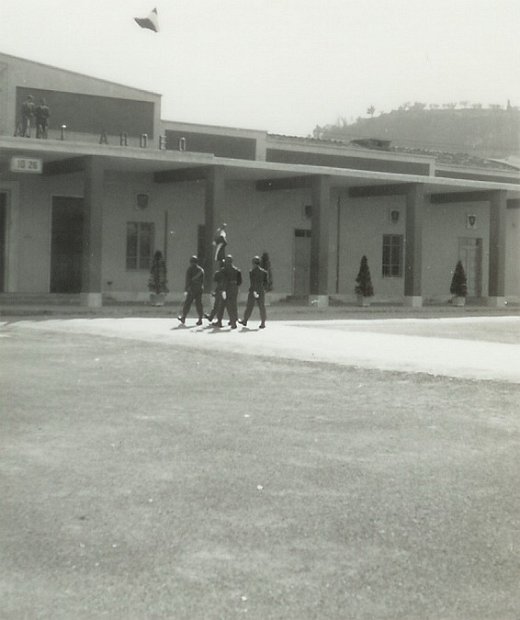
(497, 248)
(413, 245)
(320, 240)
(91, 283)
(214, 200)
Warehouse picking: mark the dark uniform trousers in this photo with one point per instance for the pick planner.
(231, 282)
(251, 299)
(194, 295)
(218, 301)
(193, 288)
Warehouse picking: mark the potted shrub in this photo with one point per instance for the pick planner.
(157, 282)
(458, 287)
(364, 289)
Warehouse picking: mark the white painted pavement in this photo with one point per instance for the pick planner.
(378, 344)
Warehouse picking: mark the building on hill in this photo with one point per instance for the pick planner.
(83, 211)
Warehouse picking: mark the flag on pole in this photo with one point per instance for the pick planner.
(151, 22)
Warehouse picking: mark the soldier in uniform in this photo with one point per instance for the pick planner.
(232, 279)
(258, 283)
(42, 114)
(193, 288)
(27, 116)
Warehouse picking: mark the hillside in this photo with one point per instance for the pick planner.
(480, 132)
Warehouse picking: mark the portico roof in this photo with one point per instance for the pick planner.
(152, 161)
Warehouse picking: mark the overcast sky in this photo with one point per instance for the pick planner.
(280, 65)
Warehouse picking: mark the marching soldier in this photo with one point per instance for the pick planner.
(232, 279)
(258, 283)
(193, 288)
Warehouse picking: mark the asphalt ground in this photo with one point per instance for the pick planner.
(152, 471)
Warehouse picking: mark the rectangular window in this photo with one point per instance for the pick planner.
(139, 245)
(392, 256)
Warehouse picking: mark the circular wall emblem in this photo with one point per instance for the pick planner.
(142, 201)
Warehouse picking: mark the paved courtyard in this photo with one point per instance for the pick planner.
(468, 347)
(334, 469)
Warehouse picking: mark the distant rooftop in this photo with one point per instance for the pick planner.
(456, 159)
(441, 157)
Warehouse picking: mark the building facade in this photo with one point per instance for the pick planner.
(83, 211)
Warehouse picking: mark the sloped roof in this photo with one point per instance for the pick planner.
(456, 159)
(441, 157)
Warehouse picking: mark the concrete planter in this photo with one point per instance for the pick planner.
(458, 301)
(157, 299)
(364, 302)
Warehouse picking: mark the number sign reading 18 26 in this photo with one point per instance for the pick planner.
(26, 164)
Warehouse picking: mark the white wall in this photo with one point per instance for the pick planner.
(257, 222)
(444, 225)
(363, 223)
(513, 255)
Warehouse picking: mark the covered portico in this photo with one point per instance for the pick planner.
(325, 184)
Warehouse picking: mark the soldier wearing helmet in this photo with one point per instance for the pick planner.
(257, 286)
(194, 285)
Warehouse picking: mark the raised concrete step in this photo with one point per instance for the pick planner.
(39, 299)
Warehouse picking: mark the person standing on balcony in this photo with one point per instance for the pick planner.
(27, 116)
(42, 114)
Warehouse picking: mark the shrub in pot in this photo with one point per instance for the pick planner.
(458, 287)
(157, 282)
(364, 289)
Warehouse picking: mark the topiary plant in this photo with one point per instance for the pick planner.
(364, 281)
(157, 282)
(459, 286)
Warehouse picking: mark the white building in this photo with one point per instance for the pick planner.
(84, 210)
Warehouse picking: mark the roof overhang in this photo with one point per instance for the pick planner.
(152, 161)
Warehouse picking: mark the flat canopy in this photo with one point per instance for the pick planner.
(65, 157)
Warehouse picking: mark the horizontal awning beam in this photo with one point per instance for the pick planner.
(368, 191)
(181, 175)
(442, 199)
(64, 166)
(270, 185)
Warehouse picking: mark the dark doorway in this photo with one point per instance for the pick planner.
(3, 240)
(66, 244)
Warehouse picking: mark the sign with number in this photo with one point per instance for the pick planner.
(26, 164)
